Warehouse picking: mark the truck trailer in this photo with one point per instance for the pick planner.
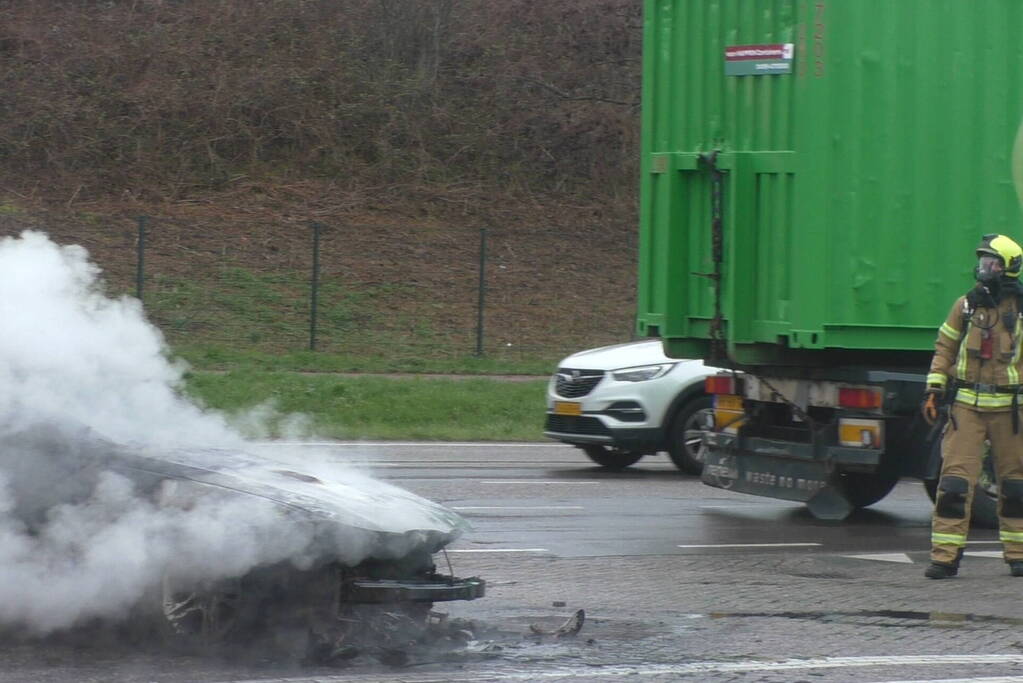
(815, 177)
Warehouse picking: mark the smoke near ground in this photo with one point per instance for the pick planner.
(84, 377)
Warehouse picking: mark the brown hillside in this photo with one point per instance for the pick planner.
(404, 127)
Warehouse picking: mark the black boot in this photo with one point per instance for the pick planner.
(1016, 567)
(940, 570)
(944, 570)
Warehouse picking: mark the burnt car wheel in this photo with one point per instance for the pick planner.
(685, 437)
(208, 616)
(611, 457)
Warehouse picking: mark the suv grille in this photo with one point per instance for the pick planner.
(567, 424)
(571, 383)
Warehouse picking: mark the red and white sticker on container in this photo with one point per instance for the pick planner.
(759, 60)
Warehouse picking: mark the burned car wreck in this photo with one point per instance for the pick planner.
(215, 543)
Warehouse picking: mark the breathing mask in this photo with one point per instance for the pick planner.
(989, 269)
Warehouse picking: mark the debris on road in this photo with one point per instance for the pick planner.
(397, 639)
(571, 626)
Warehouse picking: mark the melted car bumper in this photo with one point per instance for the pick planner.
(438, 588)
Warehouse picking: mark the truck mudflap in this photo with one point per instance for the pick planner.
(436, 589)
(762, 467)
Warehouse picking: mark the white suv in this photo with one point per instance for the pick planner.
(619, 403)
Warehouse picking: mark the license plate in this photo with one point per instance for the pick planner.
(568, 408)
(728, 402)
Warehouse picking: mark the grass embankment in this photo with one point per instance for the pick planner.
(431, 360)
(352, 407)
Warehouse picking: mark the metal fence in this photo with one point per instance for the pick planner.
(397, 289)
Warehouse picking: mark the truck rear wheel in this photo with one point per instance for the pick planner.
(866, 488)
(984, 511)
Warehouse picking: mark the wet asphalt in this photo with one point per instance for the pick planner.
(676, 581)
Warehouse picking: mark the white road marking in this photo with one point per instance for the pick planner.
(407, 481)
(984, 553)
(736, 506)
(534, 481)
(623, 671)
(751, 545)
(983, 679)
(440, 465)
(489, 481)
(498, 550)
(472, 508)
(884, 557)
(426, 444)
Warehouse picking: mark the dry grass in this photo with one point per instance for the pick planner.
(403, 126)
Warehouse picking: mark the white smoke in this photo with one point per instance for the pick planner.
(78, 362)
(100, 557)
(69, 352)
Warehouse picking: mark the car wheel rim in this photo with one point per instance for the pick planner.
(697, 423)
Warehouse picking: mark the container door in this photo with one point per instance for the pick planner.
(717, 188)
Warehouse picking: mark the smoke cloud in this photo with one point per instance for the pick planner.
(84, 377)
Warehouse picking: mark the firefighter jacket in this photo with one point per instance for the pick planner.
(977, 354)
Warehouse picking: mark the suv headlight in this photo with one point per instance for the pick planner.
(642, 373)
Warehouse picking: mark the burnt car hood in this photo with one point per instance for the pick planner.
(51, 464)
(356, 500)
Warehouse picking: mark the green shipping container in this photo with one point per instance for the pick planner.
(817, 173)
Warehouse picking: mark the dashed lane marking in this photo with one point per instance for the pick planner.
(450, 464)
(498, 550)
(425, 444)
(697, 668)
(535, 481)
(751, 545)
(739, 506)
(490, 481)
(480, 508)
(983, 679)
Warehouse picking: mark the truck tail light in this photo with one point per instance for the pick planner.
(858, 397)
(721, 384)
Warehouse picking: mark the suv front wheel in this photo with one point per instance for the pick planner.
(611, 457)
(685, 437)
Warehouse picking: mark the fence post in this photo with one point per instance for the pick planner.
(140, 257)
(314, 293)
(481, 292)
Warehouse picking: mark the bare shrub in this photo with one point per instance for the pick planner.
(162, 99)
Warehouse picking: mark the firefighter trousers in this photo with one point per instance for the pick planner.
(962, 448)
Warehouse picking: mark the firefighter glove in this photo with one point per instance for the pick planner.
(930, 407)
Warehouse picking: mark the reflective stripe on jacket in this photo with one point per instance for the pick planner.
(984, 383)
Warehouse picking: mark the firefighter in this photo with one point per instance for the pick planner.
(975, 371)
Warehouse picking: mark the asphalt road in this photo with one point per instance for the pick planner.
(535, 496)
(677, 581)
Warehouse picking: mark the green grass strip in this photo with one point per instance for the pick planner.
(367, 407)
(214, 357)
